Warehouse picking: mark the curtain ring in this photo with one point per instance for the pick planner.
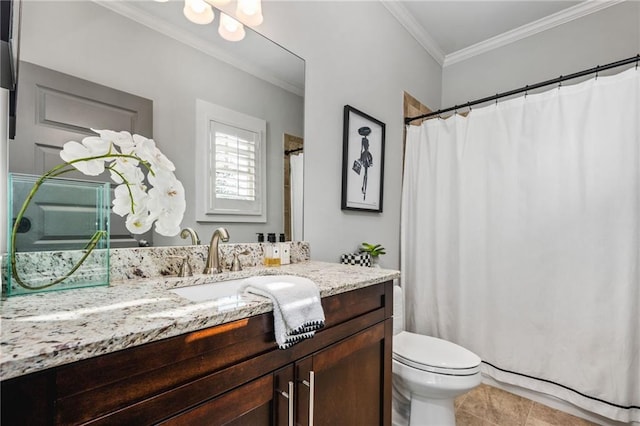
(496, 98)
(637, 59)
(526, 91)
(469, 106)
(560, 82)
(597, 71)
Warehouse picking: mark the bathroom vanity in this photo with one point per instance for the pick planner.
(173, 361)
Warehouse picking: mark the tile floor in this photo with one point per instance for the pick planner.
(489, 406)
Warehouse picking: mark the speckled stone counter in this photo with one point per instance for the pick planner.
(45, 330)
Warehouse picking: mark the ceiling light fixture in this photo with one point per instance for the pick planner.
(248, 12)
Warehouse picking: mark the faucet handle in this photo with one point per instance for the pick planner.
(235, 264)
(185, 268)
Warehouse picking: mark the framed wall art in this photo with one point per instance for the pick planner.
(362, 161)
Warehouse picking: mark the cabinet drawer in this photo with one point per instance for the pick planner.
(249, 405)
(161, 366)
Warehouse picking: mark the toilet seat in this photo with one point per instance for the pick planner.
(434, 355)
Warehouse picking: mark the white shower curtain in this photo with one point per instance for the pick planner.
(521, 236)
(297, 184)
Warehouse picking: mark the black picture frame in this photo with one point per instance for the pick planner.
(362, 161)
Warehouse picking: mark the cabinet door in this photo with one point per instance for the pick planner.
(345, 384)
(284, 397)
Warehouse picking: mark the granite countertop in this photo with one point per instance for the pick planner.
(45, 330)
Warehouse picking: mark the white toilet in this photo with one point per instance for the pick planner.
(428, 374)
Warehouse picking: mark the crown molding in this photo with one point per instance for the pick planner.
(415, 29)
(421, 35)
(562, 17)
(170, 30)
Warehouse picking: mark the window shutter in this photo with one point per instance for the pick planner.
(235, 162)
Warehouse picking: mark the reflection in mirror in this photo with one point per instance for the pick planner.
(105, 61)
(229, 152)
(293, 186)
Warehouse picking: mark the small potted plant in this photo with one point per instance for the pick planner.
(374, 251)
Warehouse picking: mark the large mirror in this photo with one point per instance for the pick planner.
(144, 65)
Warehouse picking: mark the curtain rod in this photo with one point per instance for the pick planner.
(292, 151)
(560, 79)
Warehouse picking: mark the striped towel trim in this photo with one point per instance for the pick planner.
(305, 331)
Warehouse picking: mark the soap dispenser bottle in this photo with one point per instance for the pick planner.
(285, 251)
(271, 251)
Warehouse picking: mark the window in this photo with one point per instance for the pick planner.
(230, 165)
(235, 162)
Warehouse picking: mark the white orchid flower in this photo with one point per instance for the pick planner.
(167, 228)
(125, 155)
(167, 193)
(125, 170)
(121, 204)
(89, 148)
(130, 199)
(146, 149)
(122, 139)
(166, 202)
(96, 145)
(138, 223)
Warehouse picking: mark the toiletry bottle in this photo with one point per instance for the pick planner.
(267, 249)
(285, 251)
(271, 251)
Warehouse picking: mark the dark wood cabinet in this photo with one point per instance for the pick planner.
(344, 383)
(232, 374)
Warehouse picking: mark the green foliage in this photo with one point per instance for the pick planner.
(374, 250)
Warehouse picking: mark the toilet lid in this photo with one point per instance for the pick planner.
(433, 354)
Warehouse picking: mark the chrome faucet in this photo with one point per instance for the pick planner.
(213, 261)
(186, 232)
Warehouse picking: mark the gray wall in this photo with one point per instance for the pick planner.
(600, 38)
(357, 54)
(86, 40)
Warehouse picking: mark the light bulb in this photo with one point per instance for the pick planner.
(250, 12)
(198, 12)
(229, 23)
(230, 29)
(198, 6)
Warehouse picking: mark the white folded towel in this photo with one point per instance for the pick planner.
(297, 312)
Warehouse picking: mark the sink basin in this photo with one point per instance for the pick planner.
(229, 289)
(211, 291)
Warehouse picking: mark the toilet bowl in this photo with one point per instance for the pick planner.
(428, 374)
